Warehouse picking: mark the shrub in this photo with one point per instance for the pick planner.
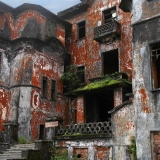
(23, 140)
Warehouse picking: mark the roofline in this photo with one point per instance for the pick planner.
(27, 6)
(74, 9)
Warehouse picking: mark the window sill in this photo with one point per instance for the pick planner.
(43, 97)
(52, 100)
(80, 39)
(155, 90)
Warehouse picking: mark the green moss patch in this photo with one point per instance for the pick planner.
(105, 83)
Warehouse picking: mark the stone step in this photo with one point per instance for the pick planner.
(15, 152)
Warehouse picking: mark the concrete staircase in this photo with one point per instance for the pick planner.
(15, 152)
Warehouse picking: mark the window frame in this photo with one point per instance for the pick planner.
(151, 67)
(44, 92)
(0, 62)
(53, 94)
(107, 10)
(78, 74)
(78, 29)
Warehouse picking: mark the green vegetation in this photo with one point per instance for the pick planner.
(70, 78)
(106, 81)
(23, 140)
(61, 154)
(132, 148)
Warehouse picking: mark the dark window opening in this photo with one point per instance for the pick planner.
(97, 106)
(41, 132)
(81, 74)
(81, 30)
(53, 90)
(0, 62)
(155, 60)
(44, 87)
(109, 14)
(125, 90)
(110, 62)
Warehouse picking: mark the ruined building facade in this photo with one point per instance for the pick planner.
(116, 46)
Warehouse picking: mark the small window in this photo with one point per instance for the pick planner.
(81, 30)
(109, 14)
(155, 63)
(53, 90)
(81, 74)
(0, 62)
(44, 86)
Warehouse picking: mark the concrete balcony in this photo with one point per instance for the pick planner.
(85, 131)
(109, 29)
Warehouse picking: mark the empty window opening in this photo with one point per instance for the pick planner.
(81, 74)
(44, 87)
(110, 62)
(155, 60)
(53, 89)
(125, 90)
(81, 29)
(0, 62)
(97, 106)
(109, 14)
(41, 131)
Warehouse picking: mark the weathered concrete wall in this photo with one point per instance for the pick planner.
(32, 43)
(146, 101)
(90, 149)
(145, 9)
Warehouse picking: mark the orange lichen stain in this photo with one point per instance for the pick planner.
(144, 98)
(130, 125)
(147, 110)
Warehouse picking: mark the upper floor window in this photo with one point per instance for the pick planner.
(110, 62)
(0, 62)
(155, 63)
(109, 14)
(81, 74)
(53, 89)
(81, 29)
(44, 86)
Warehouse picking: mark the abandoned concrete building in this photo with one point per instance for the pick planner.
(116, 97)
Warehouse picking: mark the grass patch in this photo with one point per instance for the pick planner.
(23, 140)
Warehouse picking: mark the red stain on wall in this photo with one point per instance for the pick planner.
(144, 101)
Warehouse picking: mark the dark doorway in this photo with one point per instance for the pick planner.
(110, 62)
(41, 131)
(97, 106)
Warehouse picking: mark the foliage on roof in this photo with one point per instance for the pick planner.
(107, 81)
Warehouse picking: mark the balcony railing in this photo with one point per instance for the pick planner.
(107, 29)
(100, 129)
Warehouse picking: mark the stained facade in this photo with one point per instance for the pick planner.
(115, 45)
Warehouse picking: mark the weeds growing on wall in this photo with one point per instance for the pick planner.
(132, 148)
(70, 78)
(61, 154)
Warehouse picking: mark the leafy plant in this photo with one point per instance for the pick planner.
(23, 140)
(132, 148)
(70, 78)
(61, 154)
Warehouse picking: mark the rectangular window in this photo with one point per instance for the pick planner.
(155, 63)
(81, 74)
(81, 30)
(0, 62)
(53, 89)
(109, 14)
(44, 86)
(110, 62)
